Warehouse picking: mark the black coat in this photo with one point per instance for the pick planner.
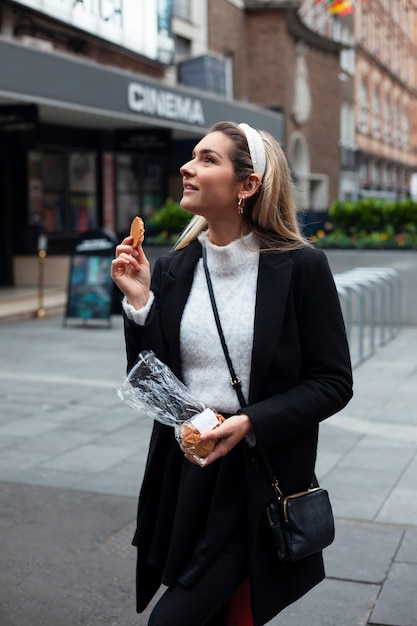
(300, 375)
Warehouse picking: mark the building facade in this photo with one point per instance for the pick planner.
(100, 103)
(378, 113)
(291, 68)
(94, 121)
(385, 94)
(282, 64)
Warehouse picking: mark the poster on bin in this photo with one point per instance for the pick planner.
(90, 289)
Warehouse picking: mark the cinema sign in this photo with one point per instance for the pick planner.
(166, 104)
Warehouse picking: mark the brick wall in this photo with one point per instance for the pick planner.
(271, 58)
(323, 129)
(226, 31)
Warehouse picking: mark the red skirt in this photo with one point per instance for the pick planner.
(239, 612)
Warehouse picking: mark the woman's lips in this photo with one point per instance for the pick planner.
(189, 189)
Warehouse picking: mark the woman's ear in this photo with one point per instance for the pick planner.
(251, 185)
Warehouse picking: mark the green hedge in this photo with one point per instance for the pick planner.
(372, 214)
(368, 223)
(170, 216)
(166, 223)
(371, 223)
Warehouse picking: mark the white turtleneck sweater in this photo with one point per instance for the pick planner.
(234, 272)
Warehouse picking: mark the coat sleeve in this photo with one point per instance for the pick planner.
(148, 336)
(310, 376)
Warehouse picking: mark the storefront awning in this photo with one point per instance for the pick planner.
(72, 92)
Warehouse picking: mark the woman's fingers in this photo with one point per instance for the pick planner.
(221, 449)
(122, 265)
(227, 436)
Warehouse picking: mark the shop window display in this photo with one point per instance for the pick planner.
(47, 191)
(62, 191)
(82, 191)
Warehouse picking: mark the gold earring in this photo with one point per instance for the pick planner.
(240, 205)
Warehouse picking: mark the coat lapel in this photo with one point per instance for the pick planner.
(177, 280)
(274, 279)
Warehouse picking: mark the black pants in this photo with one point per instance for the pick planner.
(204, 604)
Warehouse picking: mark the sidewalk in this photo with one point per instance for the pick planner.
(72, 456)
(17, 302)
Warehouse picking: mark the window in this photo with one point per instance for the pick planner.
(139, 187)
(82, 191)
(385, 45)
(127, 190)
(386, 120)
(347, 130)
(46, 191)
(376, 116)
(228, 68)
(62, 191)
(182, 48)
(347, 61)
(404, 131)
(363, 107)
(395, 125)
(182, 9)
(395, 11)
(376, 173)
(363, 172)
(365, 26)
(384, 175)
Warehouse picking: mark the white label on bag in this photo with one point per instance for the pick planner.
(205, 421)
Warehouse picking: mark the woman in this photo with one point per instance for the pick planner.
(202, 532)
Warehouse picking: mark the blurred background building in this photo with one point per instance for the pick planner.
(378, 110)
(101, 102)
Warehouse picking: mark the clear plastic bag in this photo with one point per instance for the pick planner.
(153, 388)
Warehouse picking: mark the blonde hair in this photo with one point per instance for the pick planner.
(271, 213)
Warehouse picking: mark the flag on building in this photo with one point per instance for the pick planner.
(339, 7)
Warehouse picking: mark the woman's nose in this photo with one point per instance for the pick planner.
(186, 168)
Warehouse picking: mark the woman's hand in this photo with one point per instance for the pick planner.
(130, 271)
(231, 431)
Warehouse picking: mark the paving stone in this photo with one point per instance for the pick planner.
(356, 493)
(126, 483)
(408, 549)
(397, 604)
(372, 454)
(14, 461)
(400, 507)
(332, 603)
(362, 552)
(48, 478)
(89, 458)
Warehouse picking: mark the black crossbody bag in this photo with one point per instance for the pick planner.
(302, 523)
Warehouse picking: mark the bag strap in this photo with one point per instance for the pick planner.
(235, 380)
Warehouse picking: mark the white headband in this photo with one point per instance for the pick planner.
(256, 148)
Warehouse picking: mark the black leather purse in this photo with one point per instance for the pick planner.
(302, 523)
